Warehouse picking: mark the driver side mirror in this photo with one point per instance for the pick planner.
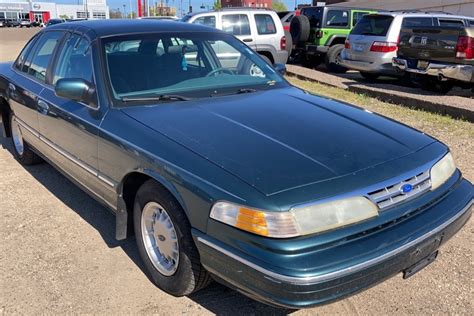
(75, 89)
(281, 68)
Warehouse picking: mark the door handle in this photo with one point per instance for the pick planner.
(43, 107)
(246, 40)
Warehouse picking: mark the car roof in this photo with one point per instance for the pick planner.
(104, 28)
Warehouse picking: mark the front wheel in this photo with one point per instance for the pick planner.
(164, 241)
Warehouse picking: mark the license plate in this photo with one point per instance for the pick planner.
(419, 265)
(422, 64)
(358, 47)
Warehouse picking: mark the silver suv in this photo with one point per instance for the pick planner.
(260, 29)
(372, 43)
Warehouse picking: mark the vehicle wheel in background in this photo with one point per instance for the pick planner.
(433, 84)
(164, 241)
(333, 58)
(311, 61)
(266, 59)
(299, 29)
(369, 75)
(21, 149)
(289, 42)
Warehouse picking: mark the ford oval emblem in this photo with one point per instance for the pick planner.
(406, 188)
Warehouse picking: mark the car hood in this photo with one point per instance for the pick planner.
(281, 139)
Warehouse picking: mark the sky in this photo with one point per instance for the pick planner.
(114, 4)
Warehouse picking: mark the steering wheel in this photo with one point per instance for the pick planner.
(220, 69)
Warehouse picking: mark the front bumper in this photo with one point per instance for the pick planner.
(263, 283)
(451, 71)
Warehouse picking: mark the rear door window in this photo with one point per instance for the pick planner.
(208, 20)
(236, 24)
(373, 25)
(314, 15)
(43, 54)
(337, 18)
(265, 24)
(418, 21)
(24, 53)
(451, 22)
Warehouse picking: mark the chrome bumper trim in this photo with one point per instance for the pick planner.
(458, 72)
(339, 273)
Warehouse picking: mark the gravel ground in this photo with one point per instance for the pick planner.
(58, 253)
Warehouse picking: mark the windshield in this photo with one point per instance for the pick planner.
(373, 25)
(184, 65)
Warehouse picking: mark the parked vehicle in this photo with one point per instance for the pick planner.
(260, 29)
(372, 43)
(11, 22)
(25, 23)
(54, 22)
(285, 18)
(218, 176)
(440, 56)
(319, 34)
(160, 17)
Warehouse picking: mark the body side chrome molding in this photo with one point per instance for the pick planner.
(67, 155)
(339, 273)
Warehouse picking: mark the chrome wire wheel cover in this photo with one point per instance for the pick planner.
(17, 137)
(160, 238)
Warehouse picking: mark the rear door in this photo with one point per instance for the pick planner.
(371, 28)
(266, 31)
(238, 24)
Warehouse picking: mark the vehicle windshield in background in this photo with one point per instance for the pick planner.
(184, 65)
(373, 25)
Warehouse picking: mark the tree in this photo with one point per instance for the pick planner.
(278, 6)
(64, 16)
(115, 14)
(217, 5)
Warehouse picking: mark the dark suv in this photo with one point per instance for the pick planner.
(319, 34)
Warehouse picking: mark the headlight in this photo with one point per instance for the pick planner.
(442, 171)
(304, 220)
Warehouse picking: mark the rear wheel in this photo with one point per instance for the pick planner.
(368, 75)
(433, 84)
(21, 149)
(333, 59)
(164, 241)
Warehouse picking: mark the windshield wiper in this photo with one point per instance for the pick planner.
(239, 91)
(163, 97)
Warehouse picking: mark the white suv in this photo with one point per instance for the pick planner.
(260, 29)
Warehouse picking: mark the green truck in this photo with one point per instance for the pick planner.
(319, 34)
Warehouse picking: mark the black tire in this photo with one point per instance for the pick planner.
(190, 275)
(433, 84)
(266, 59)
(310, 61)
(28, 156)
(332, 57)
(299, 29)
(289, 42)
(369, 75)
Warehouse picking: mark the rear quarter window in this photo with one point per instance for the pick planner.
(450, 22)
(265, 24)
(373, 25)
(24, 53)
(314, 14)
(337, 18)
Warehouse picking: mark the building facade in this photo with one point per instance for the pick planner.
(42, 12)
(247, 3)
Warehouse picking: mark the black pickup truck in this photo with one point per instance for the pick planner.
(440, 56)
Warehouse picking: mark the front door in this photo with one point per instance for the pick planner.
(69, 127)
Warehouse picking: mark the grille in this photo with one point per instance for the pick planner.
(393, 194)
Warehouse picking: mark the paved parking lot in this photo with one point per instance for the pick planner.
(58, 253)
